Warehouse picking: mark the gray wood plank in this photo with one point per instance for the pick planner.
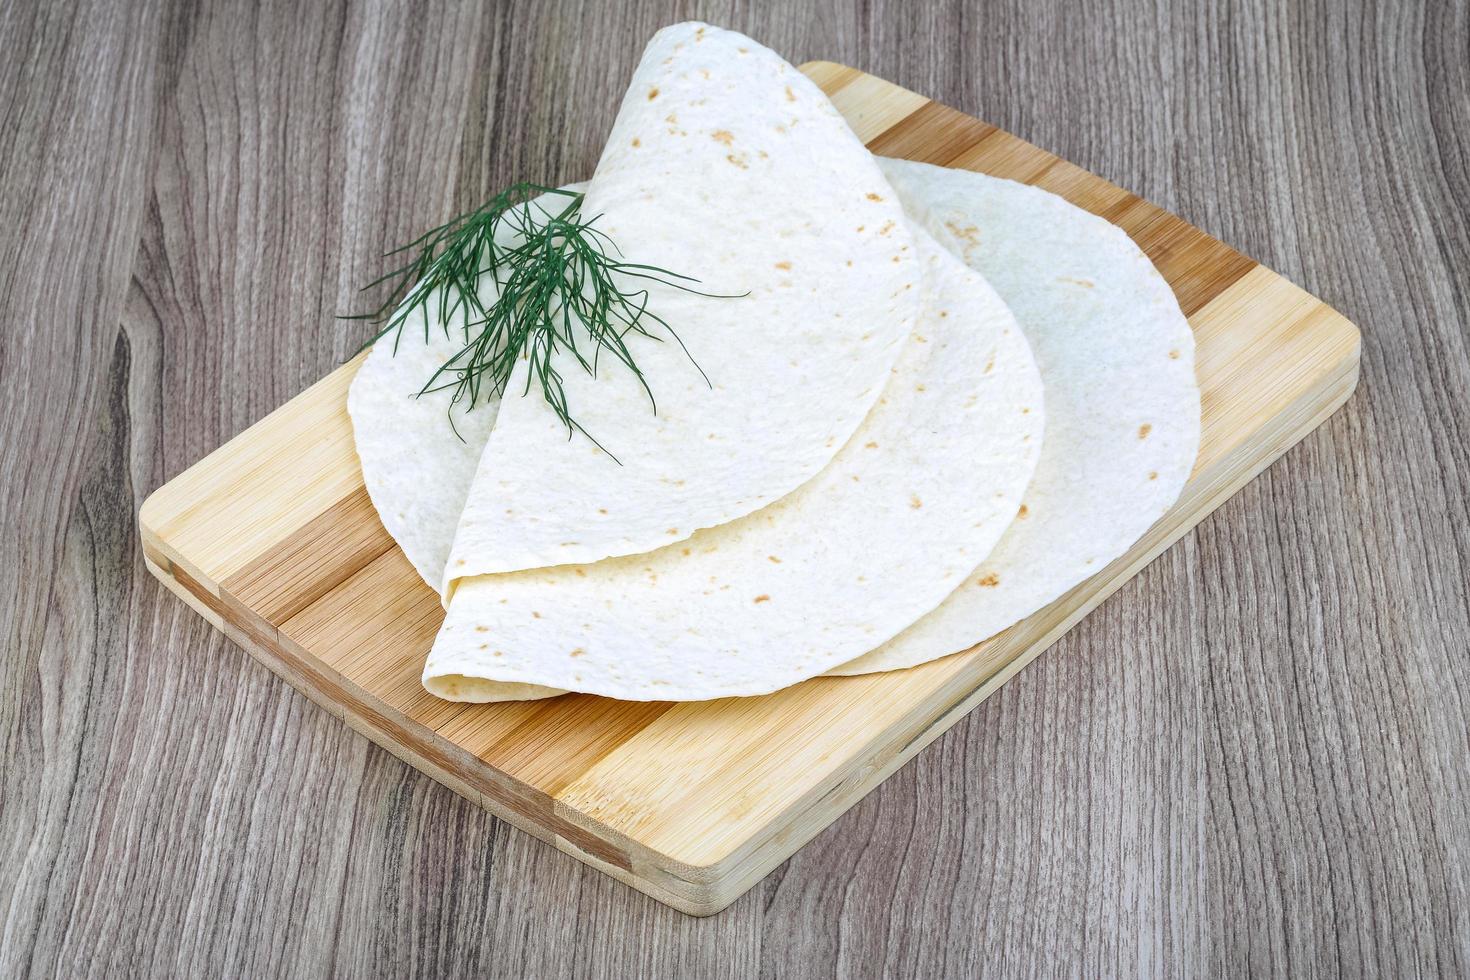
(1251, 760)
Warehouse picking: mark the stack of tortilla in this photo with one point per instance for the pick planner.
(940, 401)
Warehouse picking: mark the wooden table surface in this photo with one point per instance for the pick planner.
(1253, 759)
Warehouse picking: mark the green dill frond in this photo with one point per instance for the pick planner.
(562, 286)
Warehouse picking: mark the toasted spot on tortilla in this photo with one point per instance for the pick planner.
(920, 388)
(914, 502)
(773, 558)
(685, 551)
(498, 653)
(1084, 283)
(969, 233)
(484, 646)
(762, 598)
(784, 265)
(870, 445)
(988, 582)
(790, 95)
(652, 94)
(1023, 511)
(673, 530)
(874, 197)
(482, 629)
(1173, 355)
(602, 510)
(581, 572)
(577, 652)
(1153, 476)
(723, 136)
(458, 562)
(1144, 430)
(637, 141)
(738, 161)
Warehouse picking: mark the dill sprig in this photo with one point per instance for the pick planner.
(561, 285)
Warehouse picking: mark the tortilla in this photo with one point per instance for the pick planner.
(902, 514)
(1122, 403)
(418, 450)
(725, 163)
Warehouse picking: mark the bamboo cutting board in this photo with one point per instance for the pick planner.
(273, 539)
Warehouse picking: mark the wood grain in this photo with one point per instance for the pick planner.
(1250, 761)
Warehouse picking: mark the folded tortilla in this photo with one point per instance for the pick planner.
(1122, 403)
(726, 164)
(879, 537)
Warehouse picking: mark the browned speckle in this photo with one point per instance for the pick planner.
(1023, 511)
(988, 582)
(870, 445)
(652, 94)
(773, 558)
(784, 265)
(672, 530)
(482, 629)
(1173, 355)
(459, 563)
(914, 502)
(723, 136)
(738, 161)
(685, 551)
(498, 653)
(874, 197)
(1153, 476)
(790, 95)
(762, 598)
(1084, 283)
(1144, 430)
(577, 652)
(969, 233)
(637, 141)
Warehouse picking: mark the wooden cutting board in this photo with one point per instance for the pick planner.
(272, 538)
